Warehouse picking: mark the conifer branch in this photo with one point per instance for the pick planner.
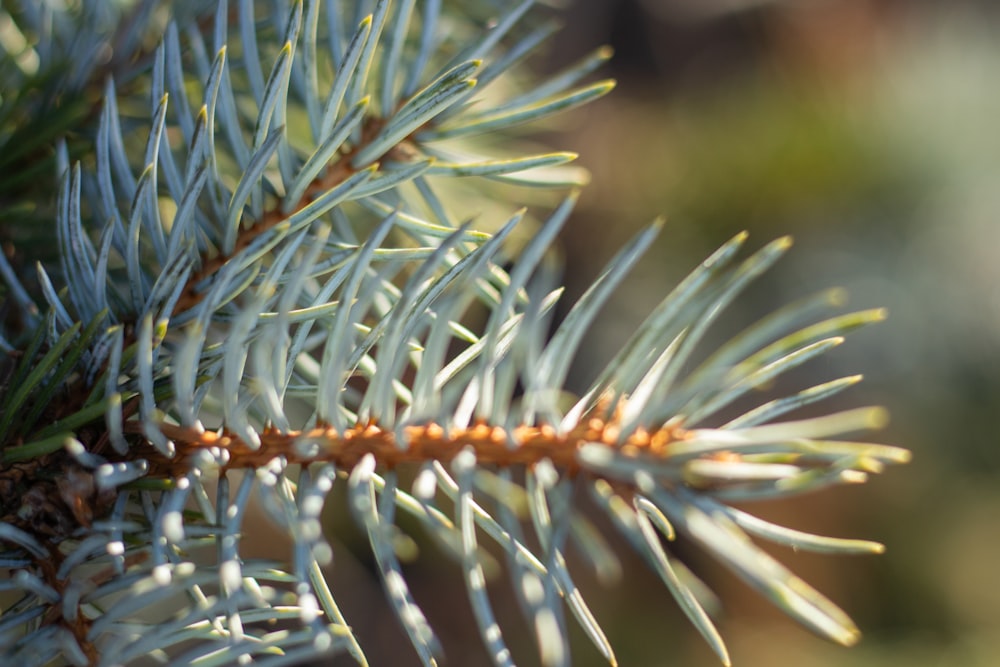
(276, 256)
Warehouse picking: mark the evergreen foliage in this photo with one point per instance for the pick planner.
(233, 266)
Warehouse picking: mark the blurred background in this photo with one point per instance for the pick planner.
(870, 131)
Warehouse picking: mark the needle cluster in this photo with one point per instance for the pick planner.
(259, 286)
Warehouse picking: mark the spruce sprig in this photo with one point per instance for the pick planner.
(261, 290)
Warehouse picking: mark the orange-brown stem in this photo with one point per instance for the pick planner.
(424, 443)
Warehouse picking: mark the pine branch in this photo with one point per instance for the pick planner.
(277, 258)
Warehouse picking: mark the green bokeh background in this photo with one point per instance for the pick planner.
(868, 130)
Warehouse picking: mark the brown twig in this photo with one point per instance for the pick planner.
(429, 442)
